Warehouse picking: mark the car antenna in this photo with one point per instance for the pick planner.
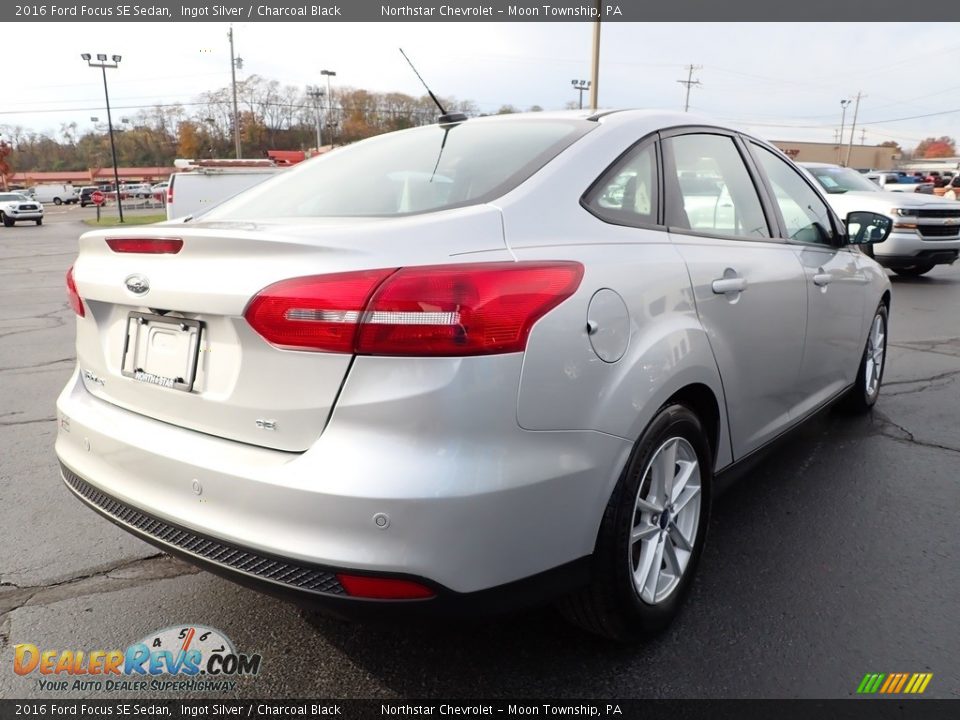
(445, 117)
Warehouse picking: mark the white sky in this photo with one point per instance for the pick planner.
(779, 81)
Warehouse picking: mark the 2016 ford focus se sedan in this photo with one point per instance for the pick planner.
(471, 365)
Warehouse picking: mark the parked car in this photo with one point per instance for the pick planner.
(159, 191)
(17, 207)
(383, 392)
(57, 193)
(86, 193)
(138, 191)
(203, 184)
(926, 229)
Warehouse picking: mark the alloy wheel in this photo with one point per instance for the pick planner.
(876, 345)
(666, 519)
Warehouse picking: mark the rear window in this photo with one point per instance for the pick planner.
(413, 171)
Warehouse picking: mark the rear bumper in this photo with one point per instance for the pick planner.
(468, 509)
(316, 586)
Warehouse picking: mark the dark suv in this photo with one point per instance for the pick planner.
(86, 195)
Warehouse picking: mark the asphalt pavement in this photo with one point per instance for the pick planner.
(838, 556)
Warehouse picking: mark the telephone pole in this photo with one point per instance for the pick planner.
(234, 64)
(863, 136)
(316, 94)
(690, 82)
(853, 125)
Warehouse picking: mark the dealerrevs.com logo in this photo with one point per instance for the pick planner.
(185, 658)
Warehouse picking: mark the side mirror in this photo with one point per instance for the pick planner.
(865, 227)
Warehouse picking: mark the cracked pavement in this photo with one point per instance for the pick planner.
(837, 556)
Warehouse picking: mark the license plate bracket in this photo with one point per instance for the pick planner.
(162, 350)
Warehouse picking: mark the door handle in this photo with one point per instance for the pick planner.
(729, 285)
(822, 278)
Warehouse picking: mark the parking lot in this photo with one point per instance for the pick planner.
(836, 557)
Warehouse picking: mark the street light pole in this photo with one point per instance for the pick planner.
(580, 86)
(329, 74)
(103, 65)
(843, 121)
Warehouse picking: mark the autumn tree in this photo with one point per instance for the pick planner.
(936, 147)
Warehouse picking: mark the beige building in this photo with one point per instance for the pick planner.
(872, 157)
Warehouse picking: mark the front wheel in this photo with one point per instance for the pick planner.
(40, 221)
(865, 391)
(915, 271)
(652, 533)
(7, 220)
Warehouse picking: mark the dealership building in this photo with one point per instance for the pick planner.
(862, 157)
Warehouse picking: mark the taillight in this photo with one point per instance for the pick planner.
(147, 246)
(73, 295)
(317, 313)
(380, 588)
(441, 310)
(170, 193)
(463, 309)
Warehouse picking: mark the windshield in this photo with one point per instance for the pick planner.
(15, 197)
(840, 180)
(413, 171)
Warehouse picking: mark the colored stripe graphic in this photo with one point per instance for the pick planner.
(894, 683)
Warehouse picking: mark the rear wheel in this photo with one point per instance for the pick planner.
(652, 533)
(57, 201)
(915, 271)
(865, 391)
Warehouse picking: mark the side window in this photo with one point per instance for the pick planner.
(805, 214)
(627, 194)
(711, 191)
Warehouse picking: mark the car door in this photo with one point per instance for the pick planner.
(835, 280)
(749, 287)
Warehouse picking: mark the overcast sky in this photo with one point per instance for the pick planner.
(779, 81)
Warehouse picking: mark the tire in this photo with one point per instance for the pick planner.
(863, 395)
(40, 221)
(57, 201)
(915, 271)
(7, 221)
(612, 605)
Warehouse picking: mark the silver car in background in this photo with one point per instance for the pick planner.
(469, 366)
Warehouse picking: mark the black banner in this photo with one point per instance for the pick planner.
(853, 709)
(474, 11)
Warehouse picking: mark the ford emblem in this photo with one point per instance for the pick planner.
(137, 284)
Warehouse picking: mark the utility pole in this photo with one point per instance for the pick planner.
(853, 125)
(316, 94)
(863, 136)
(690, 82)
(234, 63)
(595, 62)
(327, 121)
(103, 65)
(843, 121)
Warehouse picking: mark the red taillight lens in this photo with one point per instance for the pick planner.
(170, 193)
(73, 295)
(146, 246)
(383, 588)
(441, 310)
(477, 309)
(317, 313)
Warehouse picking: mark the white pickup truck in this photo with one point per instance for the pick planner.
(201, 184)
(894, 182)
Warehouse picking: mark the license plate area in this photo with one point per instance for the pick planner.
(162, 350)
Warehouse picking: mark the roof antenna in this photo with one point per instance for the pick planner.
(445, 117)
